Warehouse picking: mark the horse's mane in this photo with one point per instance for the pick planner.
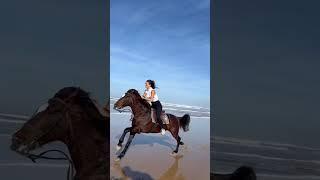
(138, 97)
(83, 98)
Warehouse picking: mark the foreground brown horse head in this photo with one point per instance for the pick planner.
(71, 117)
(44, 127)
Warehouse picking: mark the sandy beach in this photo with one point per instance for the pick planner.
(149, 154)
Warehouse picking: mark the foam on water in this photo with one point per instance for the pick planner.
(178, 109)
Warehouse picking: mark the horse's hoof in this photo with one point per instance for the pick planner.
(174, 154)
(118, 147)
(117, 159)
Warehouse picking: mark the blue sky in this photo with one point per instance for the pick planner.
(167, 41)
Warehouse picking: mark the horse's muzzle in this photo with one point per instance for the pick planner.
(116, 108)
(15, 143)
(18, 146)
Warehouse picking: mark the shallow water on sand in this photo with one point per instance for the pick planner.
(270, 160)
(149, 154)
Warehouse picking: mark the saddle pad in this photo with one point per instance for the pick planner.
(163, 116)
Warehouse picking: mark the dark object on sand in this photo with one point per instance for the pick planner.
(242, 173)
(71, 117)
(141, 122)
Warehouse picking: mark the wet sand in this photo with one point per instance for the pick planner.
(270, 160)
(149, 154)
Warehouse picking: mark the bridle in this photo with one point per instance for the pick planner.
(120, 110)
(65, 113)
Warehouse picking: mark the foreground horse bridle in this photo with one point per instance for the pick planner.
(65, 113)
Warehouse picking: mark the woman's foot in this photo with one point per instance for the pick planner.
(163, 131)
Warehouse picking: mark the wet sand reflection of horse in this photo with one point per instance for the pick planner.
(72, 118)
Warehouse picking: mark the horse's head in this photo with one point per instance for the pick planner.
(127, 99)
(51, 122)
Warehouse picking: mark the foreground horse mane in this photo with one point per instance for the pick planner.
(83, 98)
(138, 97)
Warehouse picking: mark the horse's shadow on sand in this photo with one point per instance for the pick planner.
(142, 139)
(171, 173)
(127, 173)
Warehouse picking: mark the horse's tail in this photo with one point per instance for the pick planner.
(184, 122)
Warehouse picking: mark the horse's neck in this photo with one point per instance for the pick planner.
(89, 152)
(139, 111)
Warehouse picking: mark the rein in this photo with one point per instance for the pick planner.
(125, 110)
(70, 171)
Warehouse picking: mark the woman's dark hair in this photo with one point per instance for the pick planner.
(152, 83)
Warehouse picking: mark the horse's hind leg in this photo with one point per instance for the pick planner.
(126, 146)
(178, 144)
(181, 143)
(125, 131)
(178, 139)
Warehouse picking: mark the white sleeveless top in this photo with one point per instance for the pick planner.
(148, 94)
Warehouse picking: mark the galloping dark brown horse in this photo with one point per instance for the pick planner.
(142, 123)
(71, 117)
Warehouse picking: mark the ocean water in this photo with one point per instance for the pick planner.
(178, 109)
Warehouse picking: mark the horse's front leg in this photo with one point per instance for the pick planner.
(125, 131)
(132, 134)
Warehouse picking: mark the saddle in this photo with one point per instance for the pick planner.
(163, 116)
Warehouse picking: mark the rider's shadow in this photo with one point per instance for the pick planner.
(151, 140)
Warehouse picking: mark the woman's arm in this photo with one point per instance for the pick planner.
(149, 98)
(153, 92)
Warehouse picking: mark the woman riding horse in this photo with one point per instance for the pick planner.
(151, 95)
